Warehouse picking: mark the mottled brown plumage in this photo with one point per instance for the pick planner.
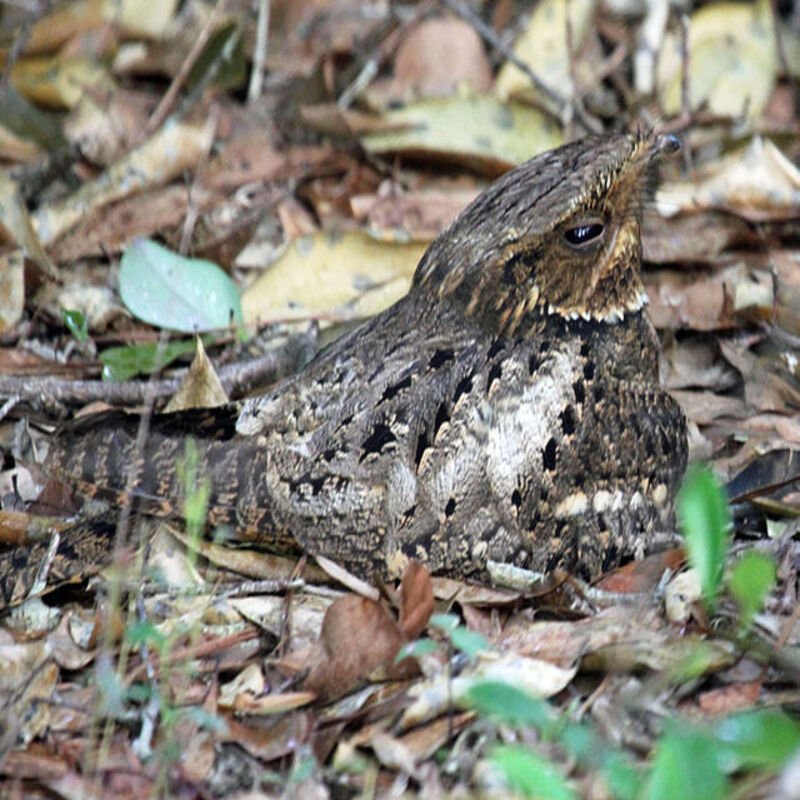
(507, 409)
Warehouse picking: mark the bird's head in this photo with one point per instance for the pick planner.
(559, 235)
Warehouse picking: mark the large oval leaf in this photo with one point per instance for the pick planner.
(170, 291)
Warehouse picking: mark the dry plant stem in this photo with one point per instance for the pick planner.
(8, 406)
(566, 107)
(259, 53)
(168, 100)
(205, 649)
(779, 46)
(237, 379)
(379, 55)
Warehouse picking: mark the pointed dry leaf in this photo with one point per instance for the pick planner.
(416, 599)
(420, 70)
(201, 387)
(418, 216)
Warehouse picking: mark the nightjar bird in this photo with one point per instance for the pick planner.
(507, 409)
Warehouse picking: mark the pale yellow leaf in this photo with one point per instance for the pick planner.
(544, 47)
(58, 82)
(330, 275)
(757, 182)
(12, 289)
(142, 18)
(201, 388)
(15, 219)
(479, 130)
(732, 61)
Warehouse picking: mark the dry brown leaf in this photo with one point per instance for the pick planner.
(784, 427)
(174, 148)
(416, 599)
(695, 364)
(728, 699)
(451, 590)
(696, 237)
(705, 408)
(642, 576)
(359, 639)
(270, 741)
(419, 216)
(615, 639)
(420, 70)
(758, 183)
(67, 653)
(424, 742)
(708, 302)
(764, 386)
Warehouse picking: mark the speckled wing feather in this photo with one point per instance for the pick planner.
(507, 408)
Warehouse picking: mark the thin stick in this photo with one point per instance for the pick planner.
(256, 85)
(493, 40)
(168, 100)
(237, 379)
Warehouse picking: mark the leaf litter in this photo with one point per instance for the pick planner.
(220, 671)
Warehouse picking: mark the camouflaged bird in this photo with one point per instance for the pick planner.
(507, 409)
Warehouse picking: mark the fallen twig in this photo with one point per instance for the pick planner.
(237, 378)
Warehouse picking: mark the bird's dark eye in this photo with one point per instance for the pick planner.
(585, 234)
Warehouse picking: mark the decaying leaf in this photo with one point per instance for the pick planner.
(325, 275)
(732, 60)
(360, 637)
(165, 155)
(758, 183)
(480, 131)
(548, 46)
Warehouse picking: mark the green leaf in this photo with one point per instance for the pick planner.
(122, 363)
(752, 578)
(421, 647)
(623, 778)
(196, 488)
(705, 522)
(531, 774)
(445, 622)
(686, 767)
(512, 705)
(145, 633)
(170, 291)
(469, 642)
(76, 324)
(763, 739)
